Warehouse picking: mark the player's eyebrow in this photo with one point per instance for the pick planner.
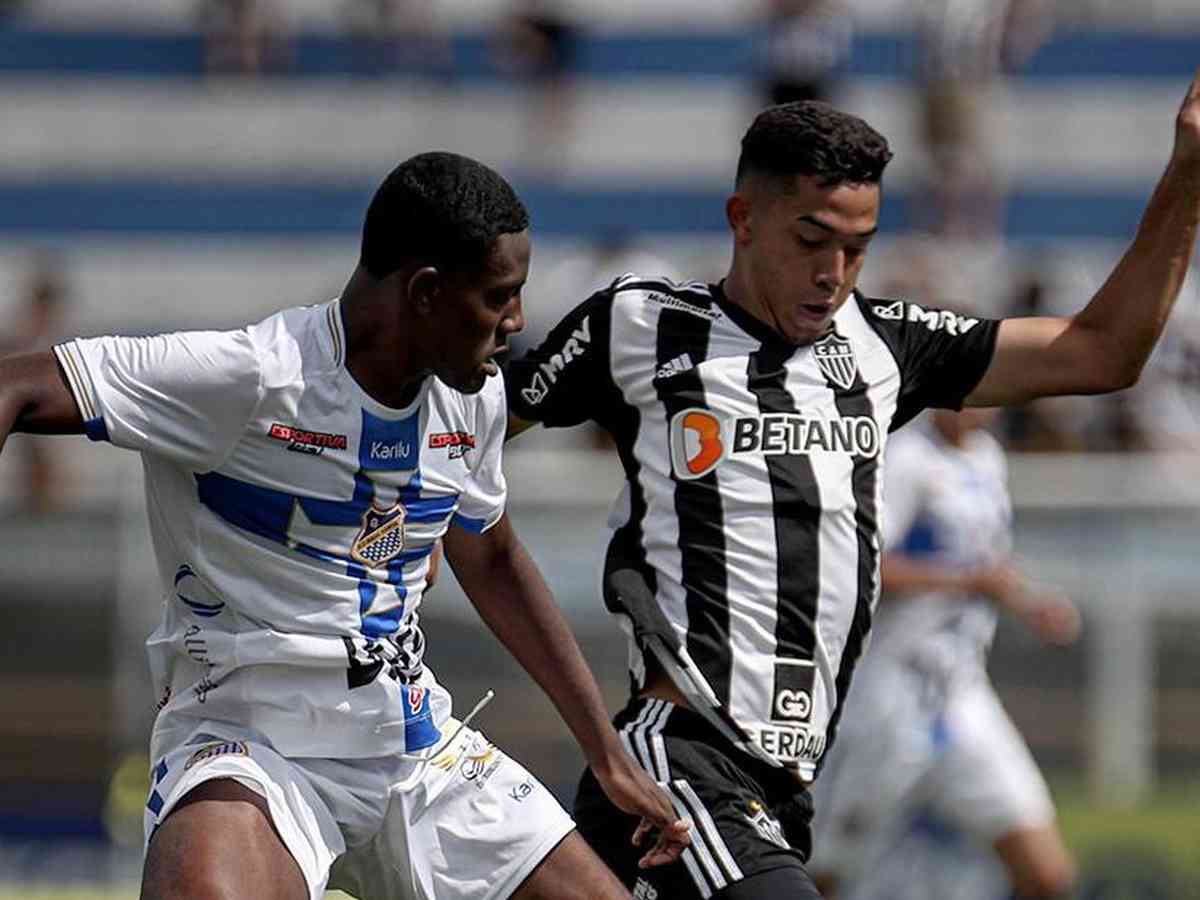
(860, 235)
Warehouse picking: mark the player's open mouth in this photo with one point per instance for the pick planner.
(815, 310)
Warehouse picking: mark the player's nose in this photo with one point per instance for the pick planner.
(830, 270)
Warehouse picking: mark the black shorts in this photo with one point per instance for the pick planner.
(748, 817)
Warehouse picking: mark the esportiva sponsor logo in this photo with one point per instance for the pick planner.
(456, 443)
(701, 439)
(305, 441)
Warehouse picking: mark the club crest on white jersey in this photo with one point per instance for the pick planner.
(381, 537)
(835, 359)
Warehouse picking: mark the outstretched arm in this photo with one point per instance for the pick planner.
(1104, 347)
(1048, 614)
(34, 397)
(505, 586)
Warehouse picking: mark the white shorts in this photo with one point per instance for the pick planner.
(472, 827)
(961, 763)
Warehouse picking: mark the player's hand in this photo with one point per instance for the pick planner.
(1053, 618)
(1187, 126)
(1001, 582)
(632, 791)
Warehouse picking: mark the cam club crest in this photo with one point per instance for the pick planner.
(835, 358)
(381, 537)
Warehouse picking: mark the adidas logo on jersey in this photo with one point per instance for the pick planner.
(643, 890)
(934, 319)
(681, 363)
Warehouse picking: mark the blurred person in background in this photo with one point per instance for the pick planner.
(924, 737)
(1049, 424)
(1164, 408)
(806, 42)
(536, 44)
(37, 322)
(965, 47)
(751, 418)
(243, 37)
(403, 35)
(299, 472)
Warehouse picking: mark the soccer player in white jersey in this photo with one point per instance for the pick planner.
(751, 417)
(299, 472)
(925, 745)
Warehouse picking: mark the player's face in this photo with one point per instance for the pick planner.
(804, 249)
(481, 309)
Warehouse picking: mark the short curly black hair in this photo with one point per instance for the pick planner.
(812, 138)
(441, 209)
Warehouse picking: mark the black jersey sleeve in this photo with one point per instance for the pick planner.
(566, 380)
(941, 354)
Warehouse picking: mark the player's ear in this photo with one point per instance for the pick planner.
(424, 285)
(737, 213)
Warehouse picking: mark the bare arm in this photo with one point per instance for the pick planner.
(1048, 614)
(34, 397)
(511, 596)
(901, 574)
(1104, 347)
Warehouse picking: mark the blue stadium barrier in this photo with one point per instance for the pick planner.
(124, 207)
(1092, 54)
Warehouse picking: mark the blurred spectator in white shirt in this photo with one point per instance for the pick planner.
(966, 46)
(805, 43)
(536, 44)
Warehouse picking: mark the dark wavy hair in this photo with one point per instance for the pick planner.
(441, 209)
(814, 139)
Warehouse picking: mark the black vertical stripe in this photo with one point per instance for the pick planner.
(623, 421)
(626, 548)
(796, 500)
(698, 506)
(856, 402)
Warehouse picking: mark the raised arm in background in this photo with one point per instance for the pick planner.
(1104, 346)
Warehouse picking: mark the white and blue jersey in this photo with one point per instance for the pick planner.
(293, 518)
(949, 505)
(925, 738)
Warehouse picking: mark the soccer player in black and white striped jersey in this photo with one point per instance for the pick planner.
(750, 417)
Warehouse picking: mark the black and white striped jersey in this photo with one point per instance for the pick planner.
(751, 503)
